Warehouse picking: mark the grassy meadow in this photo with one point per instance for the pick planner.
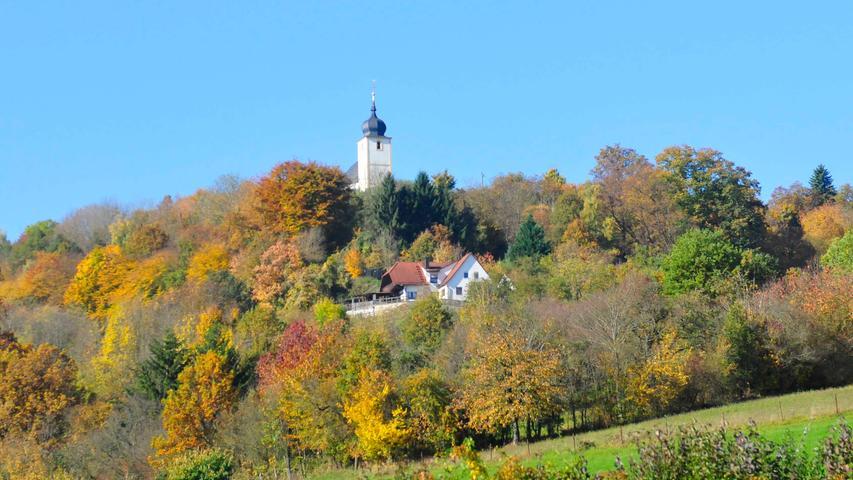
(806, 416)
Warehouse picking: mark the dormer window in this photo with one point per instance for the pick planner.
(433, 279)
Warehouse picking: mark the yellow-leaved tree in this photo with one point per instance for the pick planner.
(111, 365)
(208, 259)
(205, 390)
(653, 385)
(509, 381)
(353, 263)
(98, 276)
(379, 427)
(823, 225)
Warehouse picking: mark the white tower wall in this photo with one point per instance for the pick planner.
(374, 160)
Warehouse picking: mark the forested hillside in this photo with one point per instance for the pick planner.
(207, 333)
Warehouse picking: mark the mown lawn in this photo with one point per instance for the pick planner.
(806, 416)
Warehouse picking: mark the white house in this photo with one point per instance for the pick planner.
(411, 280)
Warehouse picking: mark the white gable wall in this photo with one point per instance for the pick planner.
(473, 268)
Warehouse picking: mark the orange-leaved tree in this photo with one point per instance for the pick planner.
(205, 390)
(296, 196)
(37, 386)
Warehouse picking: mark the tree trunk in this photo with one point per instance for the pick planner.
(515, 433)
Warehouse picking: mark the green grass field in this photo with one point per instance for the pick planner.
(805, 416)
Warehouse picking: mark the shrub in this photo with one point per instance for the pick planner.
(839, 255)
(200, 465)
(694, 453)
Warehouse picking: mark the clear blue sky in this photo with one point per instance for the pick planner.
(130, 101)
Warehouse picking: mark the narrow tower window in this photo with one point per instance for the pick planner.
(378, 146)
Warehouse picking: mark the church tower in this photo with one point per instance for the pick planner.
(374, 151)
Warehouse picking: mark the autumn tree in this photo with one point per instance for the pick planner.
(433, 422)
(822, 225)
(821, 188)
(88, 227)
(144, 240)
(301, 376)
(715, 193)
(208, 259)
(654, 384)
(45, 278)
(503, 203)
(353, 263)
(297, 196)
(115, 356)
(379, 426)
(637, 199)
(276, 272)
(37, 387)
(509, 381)
(98, 276)
(190, 412)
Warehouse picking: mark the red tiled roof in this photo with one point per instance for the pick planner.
(403, 273)
(455, 269)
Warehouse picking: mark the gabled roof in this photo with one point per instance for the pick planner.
(455, 269)
(403, 273)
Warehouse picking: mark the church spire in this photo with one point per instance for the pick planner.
(373, 126)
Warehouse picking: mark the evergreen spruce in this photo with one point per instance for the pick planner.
(421, 208)
(822, 190)
(159, 373)
(385, 206)
(529, 242)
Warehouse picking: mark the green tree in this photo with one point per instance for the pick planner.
(159, 373)
(529, 242)
(703, 259)
(715, 193)
(424, 327)
(820, 186)
(751, 367)
(40, 237)
(384, 207)
(839, 255)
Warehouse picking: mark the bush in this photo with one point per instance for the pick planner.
(326, 310)
(200, 465)
(839, 255)
(693, 453)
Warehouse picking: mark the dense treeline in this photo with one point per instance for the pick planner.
(207, 333)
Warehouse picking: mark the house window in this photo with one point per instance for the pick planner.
(476, 275)
(378, 146)
(411, 295)
(433, 279)
(458, 290)
(465, 275)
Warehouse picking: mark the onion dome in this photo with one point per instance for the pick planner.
(373, 126)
